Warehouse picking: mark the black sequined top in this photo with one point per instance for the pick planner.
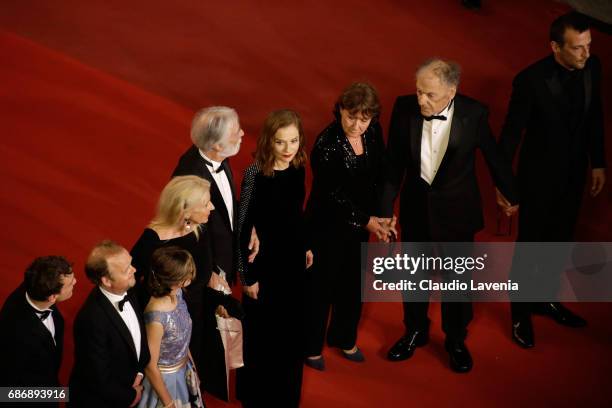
(345, 187)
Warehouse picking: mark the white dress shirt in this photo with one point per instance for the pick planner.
(48, 321)
(434, 141)
(223, 183)
(128, 315)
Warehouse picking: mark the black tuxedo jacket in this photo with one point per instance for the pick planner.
(222, 237)
(553, 158)
(105, 361)
(27, 351)
(450, 208)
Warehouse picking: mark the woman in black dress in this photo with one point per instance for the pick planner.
(346, 163)
(182, 212)
(272, 200)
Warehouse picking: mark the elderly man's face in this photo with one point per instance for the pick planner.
(433, 94)
(575, 51)
(231, 145)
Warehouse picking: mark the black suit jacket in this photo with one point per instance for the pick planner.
(27, 351)
(222, 237)
(450, 209)
(105, 361)
(553, 158)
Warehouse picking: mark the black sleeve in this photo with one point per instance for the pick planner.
(395, 160)
(499, 165)
(246, 271)
(597, 152)
(519, 110)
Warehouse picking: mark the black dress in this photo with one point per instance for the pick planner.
(345, 193)
(206, 345)
(273, 353)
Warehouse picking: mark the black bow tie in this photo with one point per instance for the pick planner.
(44, 314)
(219, 169)
(122, 302)
(432, 117)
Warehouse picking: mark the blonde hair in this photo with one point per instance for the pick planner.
(179, 195)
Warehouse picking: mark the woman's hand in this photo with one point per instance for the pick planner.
(309, 259)
(222, 312)
(251, 291)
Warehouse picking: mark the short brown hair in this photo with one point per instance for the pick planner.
(359, 97)
(169, 266)
(264, 155)
(96, 266)
(43, 277)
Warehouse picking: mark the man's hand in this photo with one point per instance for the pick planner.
(253, 245)
(598, 177)
(138, 387)
(389, 223)
(251, 291)
(309, 259)
(504, 204)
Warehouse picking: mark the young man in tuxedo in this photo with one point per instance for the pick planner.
(110, 344)
(556, 111)
(431, 154)
(32, 326)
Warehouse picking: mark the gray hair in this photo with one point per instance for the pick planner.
(211, 126)
(449, 72)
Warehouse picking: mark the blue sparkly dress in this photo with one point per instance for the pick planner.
(173, 357)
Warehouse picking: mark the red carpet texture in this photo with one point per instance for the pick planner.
(96, 99)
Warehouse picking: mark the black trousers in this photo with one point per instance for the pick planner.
(334, 285)
(555, 223)
(456, 311)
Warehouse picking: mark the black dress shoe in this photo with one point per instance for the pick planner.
(460, 358)
(403, 349)
(522, 333)
(560, 314)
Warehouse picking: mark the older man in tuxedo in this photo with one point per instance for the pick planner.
(556, 111)
(32, 326)
(433, 139)
(216, 135)
(110, 344)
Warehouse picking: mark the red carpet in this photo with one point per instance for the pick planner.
(96, 99)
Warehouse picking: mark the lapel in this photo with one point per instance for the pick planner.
(38, 325)
(215, 193)
(588, 85)
(456, 135)
(116, 320)
(29, 315)
(416, 131)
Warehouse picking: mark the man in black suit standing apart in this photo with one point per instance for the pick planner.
(110, 343)
(433, 139)
(556, 105)
(32, 326)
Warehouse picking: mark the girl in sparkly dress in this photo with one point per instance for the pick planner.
(170, 378)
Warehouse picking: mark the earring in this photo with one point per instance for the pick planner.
(187, 224)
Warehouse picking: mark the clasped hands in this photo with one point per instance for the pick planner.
(383, 228)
